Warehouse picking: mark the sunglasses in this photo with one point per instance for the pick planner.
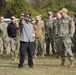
(32, 20)
(37, 20)
(49, 14)
(12, 18)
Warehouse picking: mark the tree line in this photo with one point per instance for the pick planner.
(15, 7)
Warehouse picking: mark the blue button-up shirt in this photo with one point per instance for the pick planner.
(26, 32)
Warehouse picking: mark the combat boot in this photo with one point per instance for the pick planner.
(0, 51)
(63, 63)
(35, 56)
(42, 55)
(71, 64)
(15, 59)
(4, 51)
(12, 58)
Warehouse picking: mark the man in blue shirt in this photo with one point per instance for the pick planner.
(27, 36)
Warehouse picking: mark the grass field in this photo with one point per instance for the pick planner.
(42, 66)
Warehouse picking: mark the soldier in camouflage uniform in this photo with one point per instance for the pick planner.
(66, 32)
(4, 40)
(74, 38)
(39, 34)
(1, 43)
(56, 24)
(17, 40)
(48, 23)
(13, 33)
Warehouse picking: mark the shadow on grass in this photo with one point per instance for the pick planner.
(36, 65)
(10, 66)
(47, 65)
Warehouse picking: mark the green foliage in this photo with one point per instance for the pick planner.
(71, 7)
(30, 10)
(56, 5)
(15, 7)
(18, 6)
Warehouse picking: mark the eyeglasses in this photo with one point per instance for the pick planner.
(49, 14)
(32, 20)
(13, 18)
(37, 20)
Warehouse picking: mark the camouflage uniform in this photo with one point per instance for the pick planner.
(15, 43)
(39, 44)
(1, 43)
(65, 34)
(17, 40)
(12, 46)
(74, 38)
(56, 25)
(49, 35)
(4, 40)
(13, 33)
